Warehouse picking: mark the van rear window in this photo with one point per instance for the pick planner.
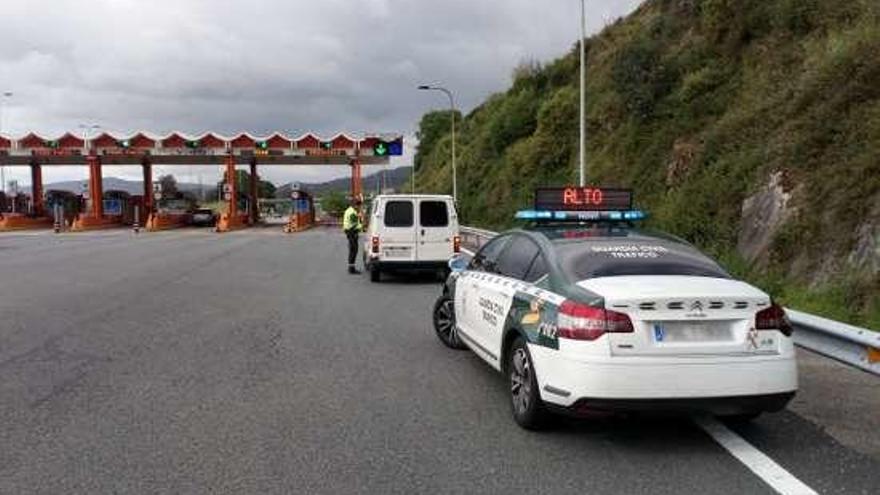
(433, 214)
(399, 214)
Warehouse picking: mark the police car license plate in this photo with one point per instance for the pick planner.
(688, 331)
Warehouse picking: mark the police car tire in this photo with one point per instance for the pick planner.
(444, 310)
(375, 274)
(526, 406)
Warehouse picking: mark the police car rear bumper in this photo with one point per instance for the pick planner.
(722, 406)
(721, 385)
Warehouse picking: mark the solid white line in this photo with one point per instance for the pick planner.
(764, 467)
(467, 251)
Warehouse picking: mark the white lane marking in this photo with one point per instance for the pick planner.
(764, 467)
(467, 251)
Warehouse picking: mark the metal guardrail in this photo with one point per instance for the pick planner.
(855, 346)
(848, 344)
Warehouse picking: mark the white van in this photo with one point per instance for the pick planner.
(410, 231)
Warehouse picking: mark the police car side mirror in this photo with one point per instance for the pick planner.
(458, 263)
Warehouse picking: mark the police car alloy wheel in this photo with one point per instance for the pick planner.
(525, 401)
(444, 323)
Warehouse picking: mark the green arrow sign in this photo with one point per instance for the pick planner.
(380, 149)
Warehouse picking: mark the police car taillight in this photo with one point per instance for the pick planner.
(374, 243)
(773, 318)
(578, 321)
(456, 244)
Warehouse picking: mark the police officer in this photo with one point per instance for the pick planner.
(351, 225)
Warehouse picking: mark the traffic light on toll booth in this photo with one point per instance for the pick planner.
(192, 144)
(51, 143)
(326, 145)
(261, 145)
(380, 148)
(123, 143)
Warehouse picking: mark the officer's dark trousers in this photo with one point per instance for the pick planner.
(352, 245)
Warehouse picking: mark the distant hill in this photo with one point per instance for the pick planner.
(394, 179)
(117, 184)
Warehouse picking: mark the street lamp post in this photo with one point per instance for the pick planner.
(3, 96)
(86, 128)
(583, 132)
(449, 95)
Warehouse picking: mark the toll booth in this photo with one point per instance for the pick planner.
(302, 214)
(120, 204)
(18, 204)
(171, 214)
(274, 210)
(68, 205)
(20, 213)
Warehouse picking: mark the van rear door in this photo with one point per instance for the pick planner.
(435, 230)
(397, 234)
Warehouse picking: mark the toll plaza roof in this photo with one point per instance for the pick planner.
(210, 148)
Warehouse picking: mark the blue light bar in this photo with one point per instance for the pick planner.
(534, 215)
(580, 216)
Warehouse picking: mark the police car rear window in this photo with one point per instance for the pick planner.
(585, 260)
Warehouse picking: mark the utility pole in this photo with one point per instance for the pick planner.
(452, 110)
(583, 132)
(3, 96)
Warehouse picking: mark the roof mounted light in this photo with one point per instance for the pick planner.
(534, 215)
(582, 215)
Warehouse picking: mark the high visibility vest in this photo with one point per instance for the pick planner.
(351, 219)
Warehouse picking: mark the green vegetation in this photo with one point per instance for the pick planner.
(695, 104)
(265, 189)
(334, 203)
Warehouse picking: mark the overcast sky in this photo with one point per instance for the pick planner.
(264, 65)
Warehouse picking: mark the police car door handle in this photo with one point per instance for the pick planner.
(423, 231)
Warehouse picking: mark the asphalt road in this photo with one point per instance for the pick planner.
(250, 362)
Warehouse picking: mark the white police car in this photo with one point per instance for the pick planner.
(586, 313)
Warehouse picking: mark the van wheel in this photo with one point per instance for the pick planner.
(525, 400)
(444, 323)
(375, 274)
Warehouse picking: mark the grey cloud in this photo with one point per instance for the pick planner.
(261, 65)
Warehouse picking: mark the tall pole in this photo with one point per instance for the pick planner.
(85, 130)
(583, 132)
(5, 94)
(452, 111)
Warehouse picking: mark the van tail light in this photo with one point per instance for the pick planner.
(773, 318)
(456, 244)
(579, 321)
(374, 243)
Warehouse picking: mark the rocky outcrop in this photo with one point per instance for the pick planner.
(865, 256)
(684, 153)
(763, 213)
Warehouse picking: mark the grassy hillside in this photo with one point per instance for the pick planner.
(706, 108)
(395, 178)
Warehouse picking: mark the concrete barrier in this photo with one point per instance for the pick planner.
(14, 221)
(167, 221)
